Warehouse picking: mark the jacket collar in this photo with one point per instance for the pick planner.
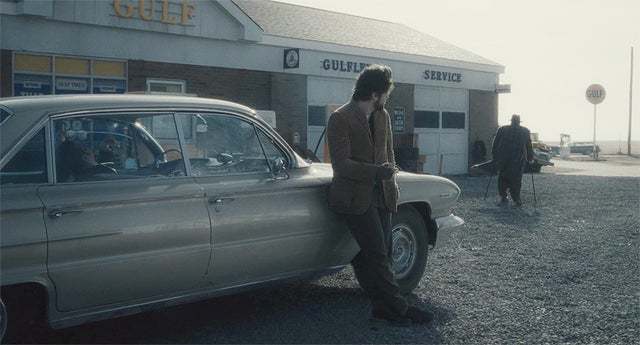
(359, 114)
(361, 118)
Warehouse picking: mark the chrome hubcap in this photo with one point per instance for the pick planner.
(405, 248)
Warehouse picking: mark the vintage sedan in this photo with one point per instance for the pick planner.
(113, 205)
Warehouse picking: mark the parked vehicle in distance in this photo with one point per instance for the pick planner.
(583, 147)
(113, 205)
(541, 154)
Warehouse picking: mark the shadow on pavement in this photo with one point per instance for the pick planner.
(298, 313)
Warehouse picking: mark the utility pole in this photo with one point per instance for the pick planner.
(630, 104)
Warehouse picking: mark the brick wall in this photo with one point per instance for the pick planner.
(289, 101)
(6, 89)
(483, 119)
(250, 88)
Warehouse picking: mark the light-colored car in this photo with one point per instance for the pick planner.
(113, 205)
(541, 154)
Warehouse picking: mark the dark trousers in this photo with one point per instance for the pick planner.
(372, 265)
(511, 183)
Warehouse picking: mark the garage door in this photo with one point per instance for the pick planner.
(441, 123)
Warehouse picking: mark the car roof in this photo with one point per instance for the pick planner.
(64, 103)
(28, 111)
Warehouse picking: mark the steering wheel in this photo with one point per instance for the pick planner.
(108, 168)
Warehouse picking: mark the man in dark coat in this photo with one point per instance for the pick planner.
(511, 152)
(365, 193)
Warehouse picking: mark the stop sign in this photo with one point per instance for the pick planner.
(596, 93)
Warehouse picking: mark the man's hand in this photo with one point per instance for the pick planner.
(385, 171)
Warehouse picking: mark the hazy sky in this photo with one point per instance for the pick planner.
(552, 50)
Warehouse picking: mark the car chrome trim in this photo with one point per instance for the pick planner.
(25, 138)
(182, 143)
(49, 151)
(100, 313)
(193, 250)
(11, 114)
(83, 237)
(448, 222)
(137, 200)
(241, 243)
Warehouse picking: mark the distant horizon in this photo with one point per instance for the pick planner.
(548, 66)
(609, 146)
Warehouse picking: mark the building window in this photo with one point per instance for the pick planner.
(109, 68)
(73, 66)
(109, 76)
(166, 86)
(32, 84)
(33, 63)
(72, 85)
(170, 87)
(317, 116)
(50, 74)
(426, 119)
(453, 120)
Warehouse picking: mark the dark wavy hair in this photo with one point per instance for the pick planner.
(374, 79)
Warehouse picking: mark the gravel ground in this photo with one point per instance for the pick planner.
(565, 272)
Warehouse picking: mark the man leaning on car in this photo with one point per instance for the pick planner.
(364, 191)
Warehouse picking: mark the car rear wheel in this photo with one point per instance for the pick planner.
(3, 319)
(409, 248)
(22, 314)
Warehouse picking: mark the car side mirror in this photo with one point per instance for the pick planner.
(224, 158)
(201, 128)
(279, 168)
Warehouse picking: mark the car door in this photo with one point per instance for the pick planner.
(264, 226)
(123, 220)
(23, 250)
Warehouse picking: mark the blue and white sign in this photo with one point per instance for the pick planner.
(109, 86)
(31, 85)
(66, 85)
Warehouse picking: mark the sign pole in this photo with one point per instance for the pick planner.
(630, 104)
(595, 152)
(595, 95)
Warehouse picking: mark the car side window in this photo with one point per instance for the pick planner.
(272, 150)
(224, 145)
(4, 115)
(111, 147)
(29, 165)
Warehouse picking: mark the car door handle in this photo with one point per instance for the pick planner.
(59, 213)
(219, 200)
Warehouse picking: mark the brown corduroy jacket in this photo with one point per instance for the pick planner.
(355, 158)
